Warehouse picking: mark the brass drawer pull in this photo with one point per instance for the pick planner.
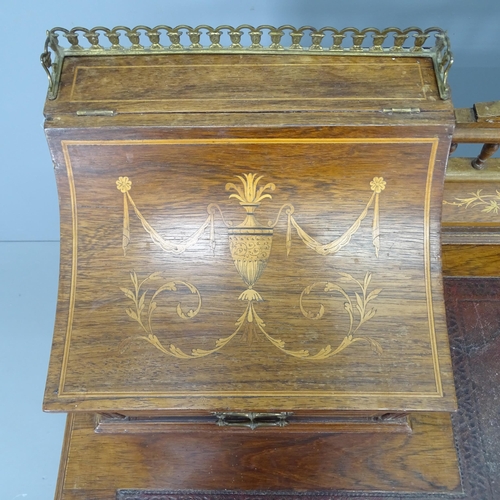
(252, 420)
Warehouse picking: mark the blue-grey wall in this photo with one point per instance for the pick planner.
(29, 201)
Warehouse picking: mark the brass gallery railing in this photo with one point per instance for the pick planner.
(163, 39)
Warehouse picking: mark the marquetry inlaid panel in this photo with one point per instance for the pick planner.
(471, 204)
(250, 271)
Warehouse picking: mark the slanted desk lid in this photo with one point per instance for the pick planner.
(257, 268)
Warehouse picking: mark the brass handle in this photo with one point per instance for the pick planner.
(252, 420)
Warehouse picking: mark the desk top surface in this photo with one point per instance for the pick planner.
(245, 83)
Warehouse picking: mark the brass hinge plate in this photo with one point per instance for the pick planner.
(95, 112)
(410, 111)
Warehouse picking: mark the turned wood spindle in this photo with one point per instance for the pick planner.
(486, 152)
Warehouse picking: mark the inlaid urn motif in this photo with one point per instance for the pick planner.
(250, 242)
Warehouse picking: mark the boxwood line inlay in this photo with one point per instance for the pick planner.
(250, 245)
(433, 142)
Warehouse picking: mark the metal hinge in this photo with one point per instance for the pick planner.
(252, 420)
(95, 112)
(401, 110)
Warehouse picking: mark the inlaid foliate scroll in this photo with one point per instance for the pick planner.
(257, 271)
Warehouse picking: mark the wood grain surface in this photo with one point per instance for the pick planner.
(471, 203)
(473, 312)
(473, 320)
(251, 233)
(471, 260)
(99, 464)
(193, 288)
(173, 181)
(472, 127)
(198, 83)
(471, 219)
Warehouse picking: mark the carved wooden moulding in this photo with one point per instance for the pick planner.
(250, 238)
